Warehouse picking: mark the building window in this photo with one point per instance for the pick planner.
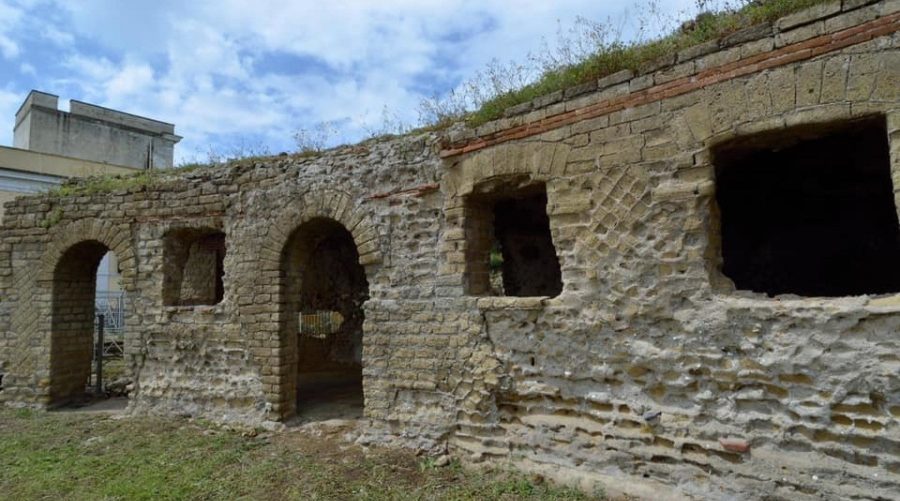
(193, 266)
(810, 211)
(509, 250)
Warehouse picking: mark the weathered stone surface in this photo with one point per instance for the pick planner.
(615, 78)
(809, 15)
(648, 363)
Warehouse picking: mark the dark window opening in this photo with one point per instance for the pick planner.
(510, 249)
(194, 267)
(810, 211)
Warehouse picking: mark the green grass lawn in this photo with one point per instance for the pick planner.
(67, 455)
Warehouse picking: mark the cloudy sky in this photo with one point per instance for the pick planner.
(237, 74)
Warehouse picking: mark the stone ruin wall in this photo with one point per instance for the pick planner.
(568, 386)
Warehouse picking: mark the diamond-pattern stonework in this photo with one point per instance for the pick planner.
(648, 367)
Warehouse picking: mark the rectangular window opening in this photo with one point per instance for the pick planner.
(510, 249)
(810, 211)
(193, 267)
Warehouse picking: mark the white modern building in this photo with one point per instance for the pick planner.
(51, 145)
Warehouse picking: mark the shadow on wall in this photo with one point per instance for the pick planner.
(810, 211)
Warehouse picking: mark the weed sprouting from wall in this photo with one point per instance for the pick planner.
(240, 149)
(106, 184)
(641, 38)
(316, 138)
(53, 218)
(390, 124)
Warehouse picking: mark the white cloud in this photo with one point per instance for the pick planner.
(131, 81)
(8, 47)
(138, 28)
(90, 69)
(196, 49)
(56, 35)
(227, 68)
(10, 18)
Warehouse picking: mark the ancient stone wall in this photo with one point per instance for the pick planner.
(648, 363)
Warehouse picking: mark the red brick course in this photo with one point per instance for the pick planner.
(785, 55)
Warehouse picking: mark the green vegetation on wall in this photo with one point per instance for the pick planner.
(610, 55)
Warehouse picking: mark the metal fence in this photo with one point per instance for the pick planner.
(110, 306)
(320, 324)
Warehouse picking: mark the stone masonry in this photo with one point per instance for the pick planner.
(650, 363)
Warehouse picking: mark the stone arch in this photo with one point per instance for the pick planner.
(115, 238)
(278, 362)
(66, 282)
(325, 204)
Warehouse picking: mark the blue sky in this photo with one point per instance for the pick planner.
(235, 73)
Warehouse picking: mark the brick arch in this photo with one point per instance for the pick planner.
(327, 204)
(277, 361)
(541, 161)
(64, 283)
(64, 237)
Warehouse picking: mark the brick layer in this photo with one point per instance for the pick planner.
(785, 55)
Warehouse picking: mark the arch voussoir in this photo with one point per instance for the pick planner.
(328, 204)
(63, 237)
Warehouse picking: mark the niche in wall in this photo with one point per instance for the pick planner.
(193, 267)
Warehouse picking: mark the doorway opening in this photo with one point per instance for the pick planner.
(324, 288)
(87, 344)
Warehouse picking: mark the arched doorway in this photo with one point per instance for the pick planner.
(74, 320)
(323, 291)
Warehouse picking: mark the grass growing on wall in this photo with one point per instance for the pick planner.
(491, 95)
(105, 184)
